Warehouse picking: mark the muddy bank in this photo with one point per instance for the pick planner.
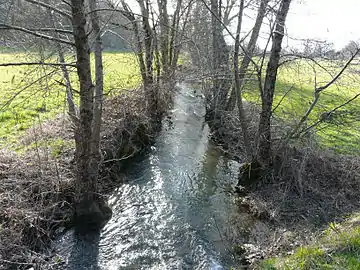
(305, 189)
(37, 185)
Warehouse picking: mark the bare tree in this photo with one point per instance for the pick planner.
(264, 154)
(90, 208)
(249, 51)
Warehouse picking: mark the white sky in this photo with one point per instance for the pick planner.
(332, 20)
(336, 21)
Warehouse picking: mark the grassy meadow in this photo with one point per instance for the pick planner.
(295, 92)
(28, 96)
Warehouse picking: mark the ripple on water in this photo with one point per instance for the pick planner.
(169, 213)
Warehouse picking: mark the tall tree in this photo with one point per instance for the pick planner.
(264, 153)
(90, 208)
(249, 51)
(220, 64)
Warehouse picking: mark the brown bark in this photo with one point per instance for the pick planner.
(148, 41)
(264, 146)
(241, 111)
(220, 67)
(98, 99)
(139, 44)
(249, 53)
(86, 174)
(164, 35)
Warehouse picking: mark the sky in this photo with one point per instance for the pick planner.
(336, 21)
(332, 20)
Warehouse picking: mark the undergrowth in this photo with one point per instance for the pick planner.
(337, 248)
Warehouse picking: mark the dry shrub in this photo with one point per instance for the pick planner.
(305, 185)
(34, 202)
(228, 134)
(37, 189)
(128, 130)
(304, 190)
(310, 187)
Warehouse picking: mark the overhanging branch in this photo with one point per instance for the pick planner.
(36, 63)
(45, 5)
(36, 34)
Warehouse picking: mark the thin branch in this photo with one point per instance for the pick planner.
(62, 31)
(36, 63)
(329, 113)
(25, 30)
(51, 7)
(282, 98)
(317, 92)
(319, 89)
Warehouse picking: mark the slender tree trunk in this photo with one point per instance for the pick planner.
(174, 32)
(69, 94)
(98, 100)
(264, 146)
(249, 52)
(241, 111)
(220, 65)
(148, 41)
(139, 44)
(91, 210)
(164, 35)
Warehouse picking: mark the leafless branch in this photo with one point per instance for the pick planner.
(51, 7)
(329, 113)
(62, 31)
(36, 63)
(25, 30)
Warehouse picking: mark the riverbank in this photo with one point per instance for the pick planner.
(337, 247)
(307, 189)
(37, 183)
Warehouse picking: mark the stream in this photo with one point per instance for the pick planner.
(174, 211)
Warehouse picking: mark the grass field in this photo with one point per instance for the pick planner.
(28, 96)
(295, 92)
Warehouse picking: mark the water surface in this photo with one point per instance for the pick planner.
(174, 210)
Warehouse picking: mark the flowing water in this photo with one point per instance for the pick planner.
(174, 211)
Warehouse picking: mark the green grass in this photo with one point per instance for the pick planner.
(26, 97)
(341, 132)
(338, 248)
(46, 98)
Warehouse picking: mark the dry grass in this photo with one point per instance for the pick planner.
(35, 200)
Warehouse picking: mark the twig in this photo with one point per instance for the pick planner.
(36, 64)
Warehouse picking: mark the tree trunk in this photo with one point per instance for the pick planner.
(220, 65)
(264, 146)
(249, 53)
(98, 99)
(90, 212)
(241, 111)
(164, 35)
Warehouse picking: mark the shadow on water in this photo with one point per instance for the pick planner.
(173, 212)
(80, 249)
